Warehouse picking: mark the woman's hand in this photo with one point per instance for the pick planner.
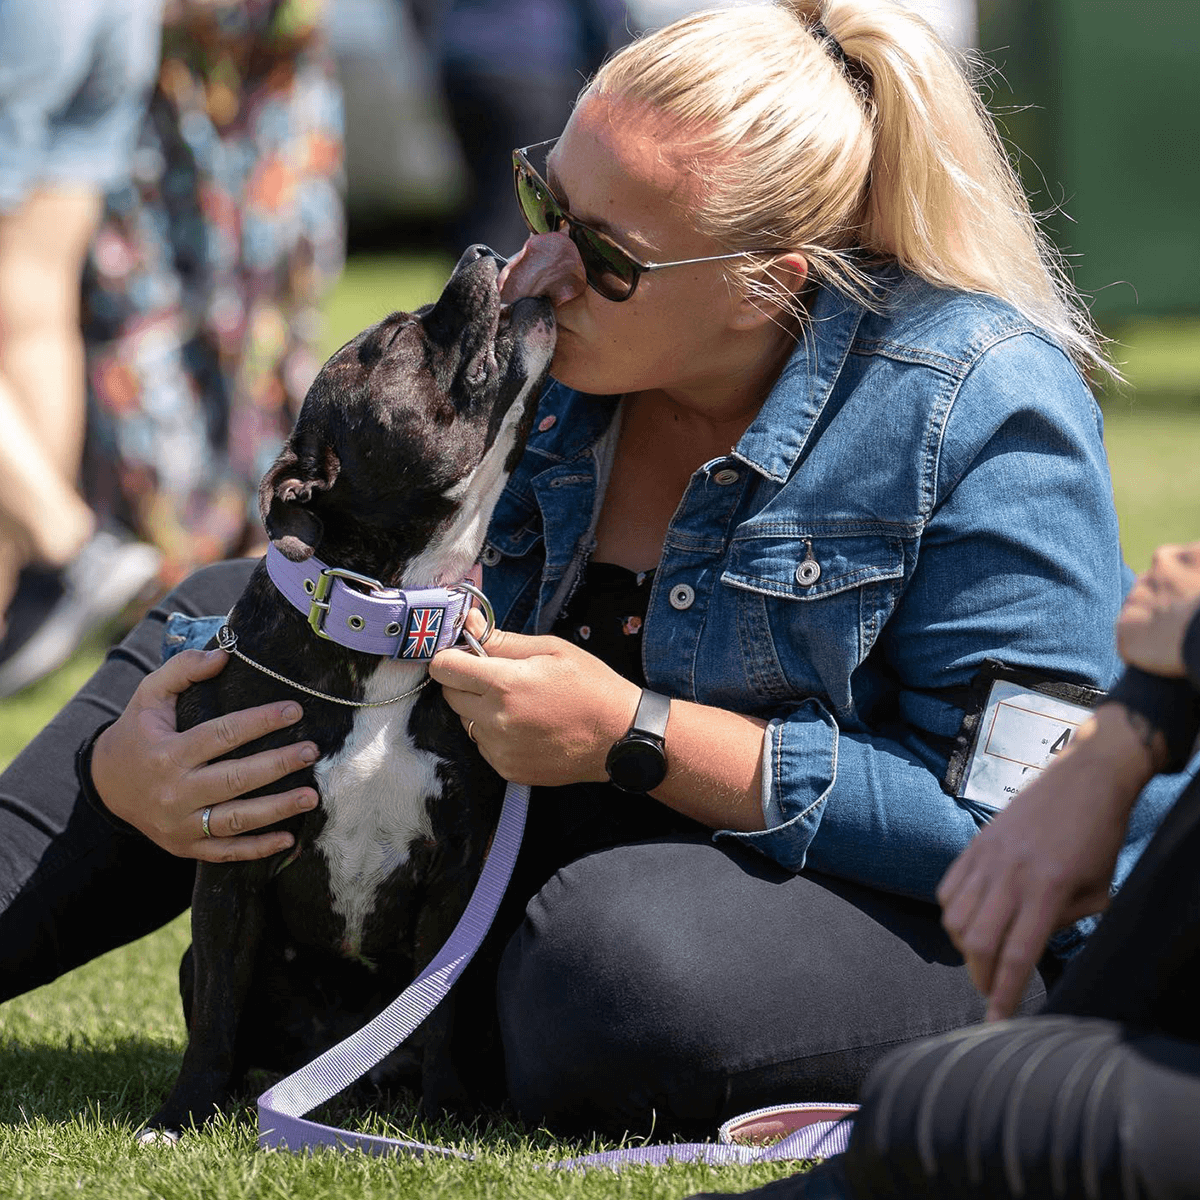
(1158, 610)
(161, 781)
(543, 711)
(1047, 859)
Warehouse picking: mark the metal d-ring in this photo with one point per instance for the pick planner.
(489, 617)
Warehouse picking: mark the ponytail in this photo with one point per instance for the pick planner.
(944, 200)
(848, 131)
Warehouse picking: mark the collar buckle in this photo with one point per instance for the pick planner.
(319, 605)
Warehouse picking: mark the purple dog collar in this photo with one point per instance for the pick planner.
(390, 622)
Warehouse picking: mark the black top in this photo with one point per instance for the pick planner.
(605, 615)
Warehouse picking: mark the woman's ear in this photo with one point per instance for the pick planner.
(768, 293)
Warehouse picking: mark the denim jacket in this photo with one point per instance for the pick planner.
(921, 491)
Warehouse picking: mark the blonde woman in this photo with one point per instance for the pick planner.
(817, 451)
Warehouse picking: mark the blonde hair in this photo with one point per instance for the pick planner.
(882, 152)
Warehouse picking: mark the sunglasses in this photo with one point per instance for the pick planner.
(611, 271)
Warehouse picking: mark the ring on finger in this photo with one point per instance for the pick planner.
(204, 821)
(471, 731)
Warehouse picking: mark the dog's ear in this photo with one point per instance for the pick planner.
(284, 496)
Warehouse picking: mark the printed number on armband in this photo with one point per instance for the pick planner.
(1020, 733)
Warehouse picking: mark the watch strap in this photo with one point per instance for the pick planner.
(652, 713)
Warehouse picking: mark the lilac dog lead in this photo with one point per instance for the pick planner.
(281, 1108)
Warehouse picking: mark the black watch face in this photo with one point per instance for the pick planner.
(637, 764)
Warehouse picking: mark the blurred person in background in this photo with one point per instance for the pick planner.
(203, 286)
(72, 94)
(511, 70)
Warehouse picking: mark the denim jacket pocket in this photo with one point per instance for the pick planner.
(816, 602)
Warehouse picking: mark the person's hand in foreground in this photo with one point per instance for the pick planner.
(1049, 857)
(160, 781)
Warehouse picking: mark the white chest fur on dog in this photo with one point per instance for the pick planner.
(377, 787)
(375, 792)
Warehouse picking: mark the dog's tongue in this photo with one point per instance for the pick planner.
(547, 265)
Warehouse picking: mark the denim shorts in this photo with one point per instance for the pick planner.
(74, 83)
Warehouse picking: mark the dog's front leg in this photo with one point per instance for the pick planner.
(228, 918)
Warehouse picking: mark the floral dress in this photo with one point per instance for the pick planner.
(605, 616)
(201, 296)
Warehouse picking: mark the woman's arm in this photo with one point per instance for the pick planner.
(546, 713)
(1018, 561)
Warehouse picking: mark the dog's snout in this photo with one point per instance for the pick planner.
(483, 251)
(473, 253)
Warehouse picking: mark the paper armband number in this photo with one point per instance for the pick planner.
(1015, 726)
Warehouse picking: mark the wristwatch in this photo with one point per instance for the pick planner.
(638, 761)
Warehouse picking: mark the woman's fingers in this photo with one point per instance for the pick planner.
(161, 781)
(222, 781)
(179, 672)
(230, 731)
(231, 826)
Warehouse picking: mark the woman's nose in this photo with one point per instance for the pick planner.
(547, 265)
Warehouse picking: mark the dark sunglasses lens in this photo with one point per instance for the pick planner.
(538, 207)
(608, 268)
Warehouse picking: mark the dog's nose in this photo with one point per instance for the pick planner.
(482, 251)
(476, 252)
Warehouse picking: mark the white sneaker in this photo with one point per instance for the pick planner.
(107, 574)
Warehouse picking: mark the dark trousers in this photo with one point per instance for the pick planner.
(1097, 1097)
(648, 976)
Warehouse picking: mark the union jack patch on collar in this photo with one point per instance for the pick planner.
(420, 638)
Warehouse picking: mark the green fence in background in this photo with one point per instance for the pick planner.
(1102, 100)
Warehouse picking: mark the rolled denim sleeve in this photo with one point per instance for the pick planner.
(875, 812)
(1018, 560)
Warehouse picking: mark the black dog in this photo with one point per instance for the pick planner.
(399, 453)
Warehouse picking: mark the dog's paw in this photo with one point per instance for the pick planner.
(158, 1137)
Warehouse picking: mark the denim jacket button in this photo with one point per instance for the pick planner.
(808, 572)
(682, 596)
(725, 476)
(490, 556)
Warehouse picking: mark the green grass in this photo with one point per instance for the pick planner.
(86, 1059)
(1155, 458)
